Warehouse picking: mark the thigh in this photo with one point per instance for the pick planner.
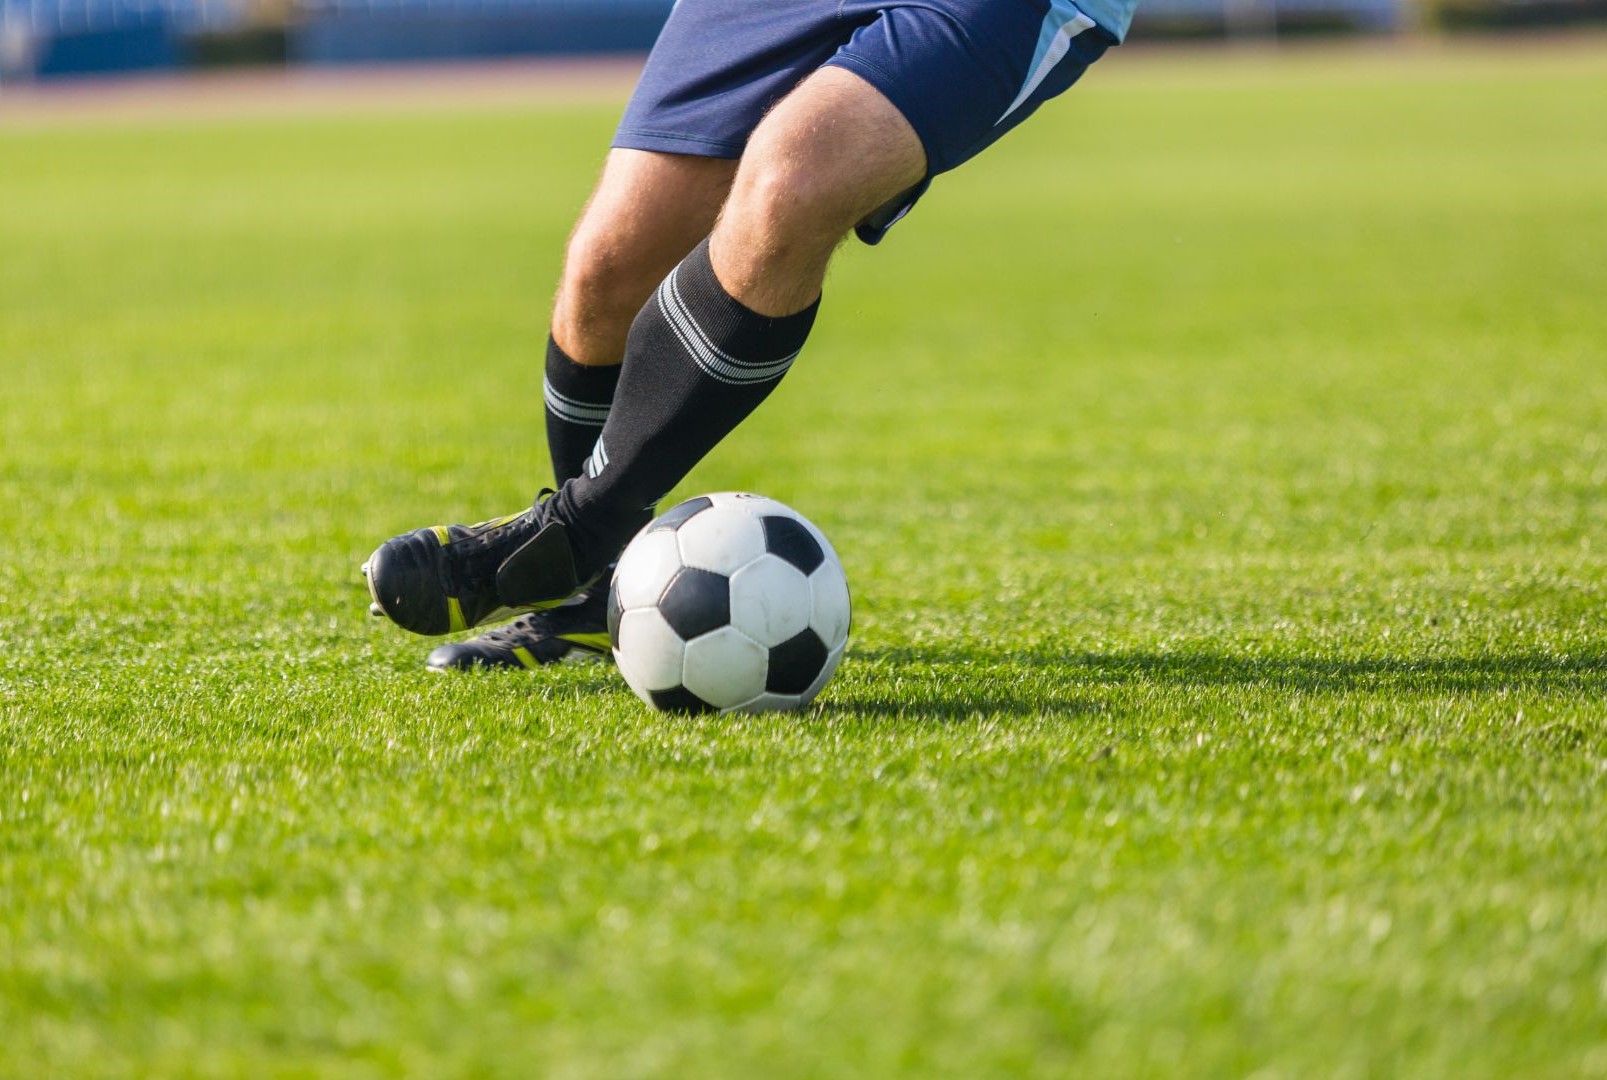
(829, 154)
(647, 212)
(652, 208)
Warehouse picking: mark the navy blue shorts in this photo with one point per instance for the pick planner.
(962, 72)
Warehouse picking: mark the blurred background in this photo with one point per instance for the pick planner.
(43, 40)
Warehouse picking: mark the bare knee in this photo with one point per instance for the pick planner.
(781, 200)
(601, 290)
(598, 272)
(647, 212)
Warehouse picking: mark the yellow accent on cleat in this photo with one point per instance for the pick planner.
(454, 615)
(598, 641)
(441, 534)
(524, 657)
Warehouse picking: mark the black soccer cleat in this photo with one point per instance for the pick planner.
(575, 630)
(452, 577)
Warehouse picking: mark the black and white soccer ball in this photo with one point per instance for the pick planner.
(728, 602)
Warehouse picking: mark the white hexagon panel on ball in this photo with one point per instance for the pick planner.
(829, 605)
(640, 580)
(650, 654)
(725, 668)
(770, 600)
(721, 542)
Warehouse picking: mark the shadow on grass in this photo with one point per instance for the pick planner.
(948, 685)
(1037, 682)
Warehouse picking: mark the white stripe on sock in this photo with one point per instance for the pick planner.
(568, 409)
(715, 363)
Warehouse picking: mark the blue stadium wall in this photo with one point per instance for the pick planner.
(41, 39)
(146, 45)
(464, 31)
(45, 38)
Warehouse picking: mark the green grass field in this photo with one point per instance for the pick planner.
(1220, 466)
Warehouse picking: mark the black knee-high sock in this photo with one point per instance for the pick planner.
(578, 398)
(696, 363)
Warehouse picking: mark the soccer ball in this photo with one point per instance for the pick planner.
(728, 602)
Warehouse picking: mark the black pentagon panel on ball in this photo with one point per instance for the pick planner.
(614, 613)
(795, 663)
(676, 515)
(786, 538)
(680, 700)
(695, 602)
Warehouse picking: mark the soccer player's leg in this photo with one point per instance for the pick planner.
(913, 91)
(728, 321)
(451, 577)
(692, 99)
(699, 357)
(646, 213)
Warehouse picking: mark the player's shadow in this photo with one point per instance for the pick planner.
(1040, 682)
